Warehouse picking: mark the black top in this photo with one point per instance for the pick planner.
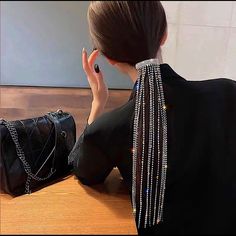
(201, 175)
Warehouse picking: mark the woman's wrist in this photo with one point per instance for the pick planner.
(96, 110)
(98, 105)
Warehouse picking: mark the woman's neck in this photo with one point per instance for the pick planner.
(133, 73)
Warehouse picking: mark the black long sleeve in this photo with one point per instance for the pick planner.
(200, 193)
(102, 146)
(91, 164)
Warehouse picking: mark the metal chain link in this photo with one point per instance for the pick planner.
(20, 153)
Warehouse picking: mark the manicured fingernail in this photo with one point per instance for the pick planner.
(83, 50)
(96, 68)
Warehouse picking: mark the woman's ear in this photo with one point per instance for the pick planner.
(164, 38)
(110, 61)
(122, 67)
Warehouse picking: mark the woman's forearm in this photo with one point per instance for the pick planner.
(96, 110)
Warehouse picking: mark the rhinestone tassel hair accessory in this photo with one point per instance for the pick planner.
(149, 145)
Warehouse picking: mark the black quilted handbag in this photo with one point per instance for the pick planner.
(34, 152)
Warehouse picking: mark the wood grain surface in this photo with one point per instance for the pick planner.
(67, 207)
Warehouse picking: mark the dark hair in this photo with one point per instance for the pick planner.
(127, 31)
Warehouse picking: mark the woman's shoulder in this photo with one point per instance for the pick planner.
(221, 83)
(216, 97)
(219, 87)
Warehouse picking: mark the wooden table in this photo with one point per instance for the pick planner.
(67, 207)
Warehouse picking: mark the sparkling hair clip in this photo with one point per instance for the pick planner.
(149, 145)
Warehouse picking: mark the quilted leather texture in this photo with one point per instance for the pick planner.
(37, 139)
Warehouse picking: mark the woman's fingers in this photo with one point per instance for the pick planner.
(95, 78)
(85, 63)
(92, 58)
(100, 80)
(101, 83)
(87, 68)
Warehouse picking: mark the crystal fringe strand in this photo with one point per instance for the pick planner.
(139, 91)
(148, 185)
(164, 143)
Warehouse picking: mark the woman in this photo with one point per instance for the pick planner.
(174, 141)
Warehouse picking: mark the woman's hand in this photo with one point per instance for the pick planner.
(97, 84)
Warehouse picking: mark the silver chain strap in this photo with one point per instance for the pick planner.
(20, 153)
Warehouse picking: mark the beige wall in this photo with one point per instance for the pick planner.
(202, 39)
(41, 42)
